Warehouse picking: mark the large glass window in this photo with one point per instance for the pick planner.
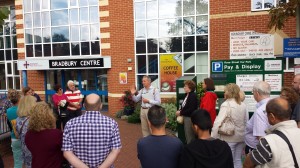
(171, 32)
(9, 75)
(61, 28)
(257, 5)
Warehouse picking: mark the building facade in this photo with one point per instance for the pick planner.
(106, 46)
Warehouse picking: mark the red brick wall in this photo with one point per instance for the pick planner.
(288, 79)
(221, 6)
(122, 47)
(6, 2)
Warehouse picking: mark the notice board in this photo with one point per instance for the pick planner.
(245, 73)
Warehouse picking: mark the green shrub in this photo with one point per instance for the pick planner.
(135, 117)
(171, 115)
(200, 90)
(119, 114)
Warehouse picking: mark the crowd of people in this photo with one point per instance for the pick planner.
(268, 138)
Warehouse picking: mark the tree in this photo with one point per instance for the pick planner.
(4, 13)
(280, 14)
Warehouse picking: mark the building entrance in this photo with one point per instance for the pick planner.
(86, 80)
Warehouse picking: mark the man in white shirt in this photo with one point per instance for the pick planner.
(149, 96)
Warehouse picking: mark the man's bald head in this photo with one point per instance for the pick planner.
(92, 102)
(280, 108)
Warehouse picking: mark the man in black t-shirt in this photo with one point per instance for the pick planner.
(158, 150)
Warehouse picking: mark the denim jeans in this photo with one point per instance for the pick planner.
(237, 150)
(17, 153)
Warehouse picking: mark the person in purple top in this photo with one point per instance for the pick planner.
(91, 140)
(256, 126)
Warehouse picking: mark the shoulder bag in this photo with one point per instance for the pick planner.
(227, 126)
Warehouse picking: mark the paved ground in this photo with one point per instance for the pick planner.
(130, 133)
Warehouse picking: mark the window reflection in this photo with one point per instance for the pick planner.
(8, 55)
(269, 3)
(15, 54)
(73, 3)
(45, 4)
(139, 10)
(36, 5)
(7, 42)
(84, 30)
(27, 5)
(140, 29)
(189, 43)
(170, 27)
(61, 49)
(153, 63)
(1, 56)
(47, 50)
(152, 28)
(38, 50)
(46, 19)
(60, 34)
(84, 17)
(93, 2)
(188, 25)
(7, 29)
(59, 4)
(74, 16)
(85, 48)
(75, 48)
(202, 6)
(28, 36)
(152, 45)
(188, 7)
(46, 35)
(140, 46)
(29, 50)
(202, 62)
(95, 32)
(36, 19)
(152, 9)
(75, 33)
(173, 8)
(16, 72)
(202, 25)
(189, 63)
(83, 2)
(95, 47)
(14, 41)
(17, 82)
(141, 63)
(173, 44)
(13, 28)
(202, 43)
(59, 17)
(94, 14)
(1, 43)
(37, 35)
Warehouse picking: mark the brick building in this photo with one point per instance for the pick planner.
(60, 40)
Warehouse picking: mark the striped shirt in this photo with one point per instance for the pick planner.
(262, 154)
(74, 97)
(91, 137)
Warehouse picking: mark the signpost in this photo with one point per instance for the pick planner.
(250, 44)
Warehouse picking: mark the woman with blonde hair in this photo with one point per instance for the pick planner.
(237, 108)
(46, 152)
(24, 107)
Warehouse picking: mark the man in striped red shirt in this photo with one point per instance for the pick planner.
(74, 95)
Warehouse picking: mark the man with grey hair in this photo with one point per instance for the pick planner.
(256, 126)
(74, 95)
(149, 96)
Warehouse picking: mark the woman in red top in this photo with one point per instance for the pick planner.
(61, 102)
(208, 101)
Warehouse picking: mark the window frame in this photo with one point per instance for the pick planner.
(263, 8)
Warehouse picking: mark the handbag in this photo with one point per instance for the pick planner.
(179, 119)
(227, 126)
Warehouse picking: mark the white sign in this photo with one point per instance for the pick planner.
(36, 64)
(250, 44)
(65, 63)
(250, 102)
(273, 65)
(246, 82)
(274, 80)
